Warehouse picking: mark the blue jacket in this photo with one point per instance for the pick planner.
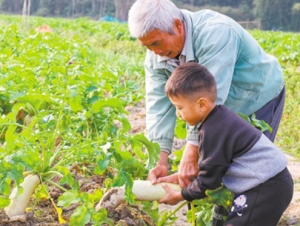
(246, 76)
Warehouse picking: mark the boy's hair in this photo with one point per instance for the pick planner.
(146, 15)
(191, 80)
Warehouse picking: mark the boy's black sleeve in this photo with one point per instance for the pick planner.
(223, 136)
(209, 178)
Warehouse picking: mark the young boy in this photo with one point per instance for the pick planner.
(231, 151)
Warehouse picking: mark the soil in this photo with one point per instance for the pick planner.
(43, 213)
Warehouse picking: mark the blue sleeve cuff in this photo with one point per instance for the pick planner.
(165, 145)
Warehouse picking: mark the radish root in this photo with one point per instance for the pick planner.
(19, 202)
(142, 189)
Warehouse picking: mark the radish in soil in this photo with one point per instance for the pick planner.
(19, 202)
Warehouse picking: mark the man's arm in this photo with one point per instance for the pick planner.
(160, 113)
(188, 168)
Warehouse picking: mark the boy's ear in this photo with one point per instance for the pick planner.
(202, 103)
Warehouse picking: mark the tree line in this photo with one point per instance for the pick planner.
(273, 14)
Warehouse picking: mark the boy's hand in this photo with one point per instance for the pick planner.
(172, 197)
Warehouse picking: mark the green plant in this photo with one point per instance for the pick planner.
(60, 109)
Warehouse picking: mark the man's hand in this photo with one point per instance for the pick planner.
(161, 169)
(188, 168)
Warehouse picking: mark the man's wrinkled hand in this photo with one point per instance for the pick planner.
(188, 168)
(157, 172)
(161, 169)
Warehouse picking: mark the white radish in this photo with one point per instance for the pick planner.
(112, 198)
(143, 190)
(18, 203)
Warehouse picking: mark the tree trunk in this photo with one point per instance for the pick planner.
(28, 7)
(122, 8)
(24, 8)
(93, 6)
(102, 8)
(73, 7)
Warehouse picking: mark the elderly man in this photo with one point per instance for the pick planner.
(248, 80)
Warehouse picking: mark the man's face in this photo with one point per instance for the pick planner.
(163, 43)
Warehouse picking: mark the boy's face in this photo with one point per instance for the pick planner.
(188, 110)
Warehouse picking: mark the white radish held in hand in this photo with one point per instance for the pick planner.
(144, 190)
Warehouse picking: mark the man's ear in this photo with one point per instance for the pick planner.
(202, 103)
(178, 24)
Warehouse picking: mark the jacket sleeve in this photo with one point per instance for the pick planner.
(160, 117)
(192, 133)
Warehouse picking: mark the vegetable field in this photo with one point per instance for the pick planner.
(64, 121)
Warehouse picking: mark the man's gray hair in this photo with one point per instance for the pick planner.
(147, 15)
